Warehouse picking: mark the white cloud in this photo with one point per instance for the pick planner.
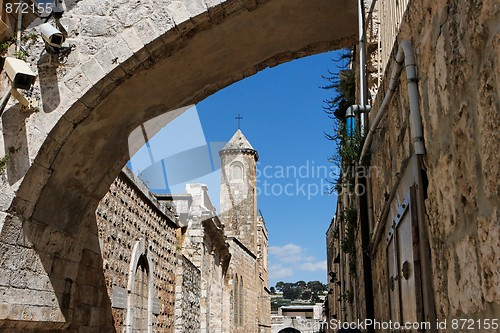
(285, 250)
(289, 259)
(313, 266)
(278, 271)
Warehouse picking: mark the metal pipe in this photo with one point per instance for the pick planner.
(362, 62)
(351, 113)
(405, 55)
(19, 25)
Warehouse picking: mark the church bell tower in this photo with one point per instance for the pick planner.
(238, 197)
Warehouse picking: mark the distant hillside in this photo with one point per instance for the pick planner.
(300, 292)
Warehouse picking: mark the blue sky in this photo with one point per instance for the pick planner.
(283, 120)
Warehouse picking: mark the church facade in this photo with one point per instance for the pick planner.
(172, 264)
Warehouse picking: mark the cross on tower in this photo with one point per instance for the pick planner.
(238, 118)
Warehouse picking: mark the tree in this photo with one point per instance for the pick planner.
(301, 284)
(291, 292)
(279, 285)
(273, 290)
(315, 298)
(306, 295)
(316, 286)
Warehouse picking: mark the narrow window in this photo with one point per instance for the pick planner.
(235, 300)
(237, 171)
(140, 296)
(241, 301)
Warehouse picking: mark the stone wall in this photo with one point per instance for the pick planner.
(456, 184)
(244, 266)
(126, 215)
(457, 51)
(188, 294)
(263, 277)
(132, 62)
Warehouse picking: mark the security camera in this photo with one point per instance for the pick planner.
(19, 73)
(51, 35)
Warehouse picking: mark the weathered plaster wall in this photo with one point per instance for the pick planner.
(127, 214)
(457, 47)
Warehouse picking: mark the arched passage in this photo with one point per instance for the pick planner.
(289, 330)
(84, 137)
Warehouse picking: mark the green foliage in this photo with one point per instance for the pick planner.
(344, 87)
(306, 295)
(5, 45)
(3, 162)
(29, 36)
(21, 54)
(348, 243)
(348, 146)
(301, 289)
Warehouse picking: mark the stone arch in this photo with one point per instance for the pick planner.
(289, 330)
(129, 67)
(139, 258)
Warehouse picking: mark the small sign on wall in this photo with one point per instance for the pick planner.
(119, 298)
(156, 306)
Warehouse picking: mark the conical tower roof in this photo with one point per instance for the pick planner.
(239, 144)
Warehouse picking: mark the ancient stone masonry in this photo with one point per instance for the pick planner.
(433, 236)
(126, 217)
(230, 252)
(188, 296)
(132, 62)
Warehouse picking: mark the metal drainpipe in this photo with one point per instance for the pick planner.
(405, 55)
(364, 198)
(362, 63)
(19, 25)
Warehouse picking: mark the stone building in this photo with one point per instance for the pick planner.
(172, 265)
(416, 234)
(247, 236)
(121, 66)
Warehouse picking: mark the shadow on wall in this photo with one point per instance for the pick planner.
(65, 275)
(15, 142)
(49, 88)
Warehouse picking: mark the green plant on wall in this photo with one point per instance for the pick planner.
(4, 46)
(3, 162)
(5, 159)
(348, 145)
(348, 243)
(21, 54)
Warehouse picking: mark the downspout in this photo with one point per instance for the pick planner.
(19, 26)
(364, 199)
(362, 63)
(351, 113)
(405, 55)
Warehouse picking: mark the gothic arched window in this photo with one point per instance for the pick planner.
(139, 315)
(140, 296)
